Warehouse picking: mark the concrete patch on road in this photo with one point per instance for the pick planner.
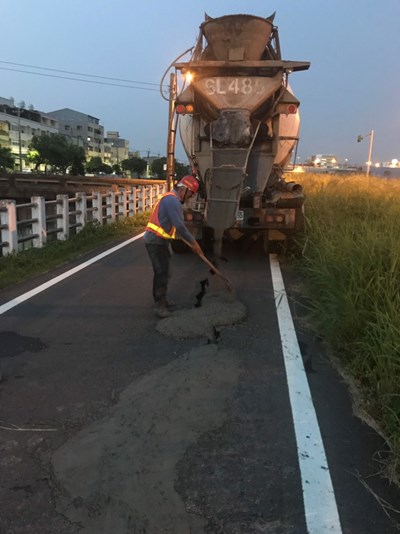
(118, 475)
(216, 310)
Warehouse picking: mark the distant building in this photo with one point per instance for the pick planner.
(147, 158)
(18, 126)
(385, 170)
(116, 149)
(323, 160)
(82, 129)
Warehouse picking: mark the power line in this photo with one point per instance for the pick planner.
(77, 73)
(78, 79)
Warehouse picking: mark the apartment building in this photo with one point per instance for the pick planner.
(81, 129)
(18, 126)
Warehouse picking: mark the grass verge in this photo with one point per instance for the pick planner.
(350, 263)
(16, 268)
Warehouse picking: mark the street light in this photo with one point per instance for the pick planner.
(371, 140)
(147, 159)
(19, 139)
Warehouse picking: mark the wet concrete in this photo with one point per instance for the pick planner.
(214, 307)
(118, 474)
(215, 311)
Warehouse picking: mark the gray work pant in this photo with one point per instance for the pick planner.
(160, 257)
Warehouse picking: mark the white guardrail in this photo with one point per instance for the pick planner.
(33, 224)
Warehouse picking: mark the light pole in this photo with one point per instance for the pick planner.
(371, 141)
(19, 139)
(146, 159)
(115, 151)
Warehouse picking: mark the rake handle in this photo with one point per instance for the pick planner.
(212, 267)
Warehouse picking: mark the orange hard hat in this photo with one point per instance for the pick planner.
(190, 182)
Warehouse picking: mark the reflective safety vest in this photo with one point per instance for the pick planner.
(154, 224)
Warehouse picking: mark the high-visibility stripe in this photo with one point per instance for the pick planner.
(160, 231)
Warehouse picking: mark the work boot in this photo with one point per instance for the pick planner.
(161, 309)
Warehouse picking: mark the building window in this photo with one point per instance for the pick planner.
(67, 127)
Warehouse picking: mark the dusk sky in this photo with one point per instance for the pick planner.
(351, 88)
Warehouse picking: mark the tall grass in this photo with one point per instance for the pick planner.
(18, 267)
(351, 265)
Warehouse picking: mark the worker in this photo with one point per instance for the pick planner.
(166, 223)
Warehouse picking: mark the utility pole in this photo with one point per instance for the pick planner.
(148, 164)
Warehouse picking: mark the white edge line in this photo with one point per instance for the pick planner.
(320, 506)
(29, 294)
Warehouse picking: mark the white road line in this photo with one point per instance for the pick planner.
(29, 294)
(318, 495)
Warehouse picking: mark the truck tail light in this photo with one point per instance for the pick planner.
(275, 218)
(182, 109)
(287, 109)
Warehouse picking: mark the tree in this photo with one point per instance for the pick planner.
(134, 165)
(96, 166)
(116, 168)
(157, 168)
(6, 159)
(181, 169)
(78, 158)
(55, 151)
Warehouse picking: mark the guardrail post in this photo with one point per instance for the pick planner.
(39, 226)
(139, 198)
(97, 204)
(124, 208)
(143, 194)
(110, 207)
(62, 217)
(132, 201)
(81, 216)
(8, 226)
(152, 194)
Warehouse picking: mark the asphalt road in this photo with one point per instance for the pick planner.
(112, 422)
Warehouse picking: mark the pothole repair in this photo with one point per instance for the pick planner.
(118, 474)
(215, 307)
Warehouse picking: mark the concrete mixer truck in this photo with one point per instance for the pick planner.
(239, 122)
